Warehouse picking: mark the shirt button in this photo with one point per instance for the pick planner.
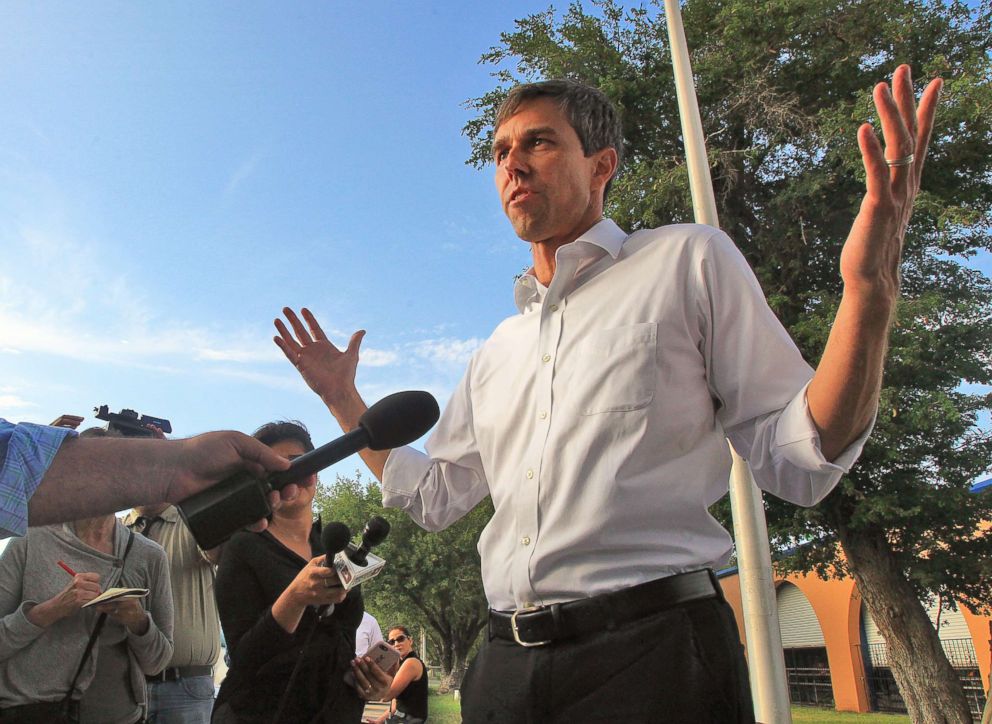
(546, 358)
(544, 415)
(530, 474)
(554, 307)
(525, 540)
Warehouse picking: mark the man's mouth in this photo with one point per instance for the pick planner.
(520, 194)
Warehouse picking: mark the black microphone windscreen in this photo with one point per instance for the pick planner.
(335, 537)
(399, 419)
(375, 531)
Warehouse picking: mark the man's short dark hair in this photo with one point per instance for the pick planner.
(272, 432)
(588, 110)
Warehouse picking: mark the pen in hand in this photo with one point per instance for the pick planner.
(66, 568)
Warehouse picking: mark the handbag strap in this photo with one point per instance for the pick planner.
(100, 621)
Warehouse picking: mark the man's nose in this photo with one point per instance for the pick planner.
(514, 164)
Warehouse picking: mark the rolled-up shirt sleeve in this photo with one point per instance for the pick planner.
(26, 452)
(438, 488)
(787, 460)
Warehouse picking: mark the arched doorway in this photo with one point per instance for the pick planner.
(805, 650)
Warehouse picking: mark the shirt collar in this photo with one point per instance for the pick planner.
(604, 236)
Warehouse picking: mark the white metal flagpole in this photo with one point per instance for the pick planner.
(766, 661)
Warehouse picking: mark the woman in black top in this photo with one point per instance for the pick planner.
(409, 687)
(269, 588)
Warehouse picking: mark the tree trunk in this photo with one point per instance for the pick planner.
(452, 679)
(928, 684)
(447, 659)
(456, 650)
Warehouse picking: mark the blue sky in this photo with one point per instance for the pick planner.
(173, 174)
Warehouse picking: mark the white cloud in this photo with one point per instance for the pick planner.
(89, 309)
(147, 344)
(378, 358)
(13, 402)
(447, 351)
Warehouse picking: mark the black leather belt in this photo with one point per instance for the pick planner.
(541, 625)
(180, 672)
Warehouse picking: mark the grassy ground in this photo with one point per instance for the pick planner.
(829, 716)
(445, 710)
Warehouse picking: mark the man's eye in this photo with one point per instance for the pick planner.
(500, 155)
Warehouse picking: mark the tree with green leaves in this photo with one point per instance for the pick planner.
(782, 87)
(431, 580)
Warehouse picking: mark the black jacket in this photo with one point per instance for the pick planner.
(254, 570)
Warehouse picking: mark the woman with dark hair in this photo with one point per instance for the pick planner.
(288, 623)
(409, 688)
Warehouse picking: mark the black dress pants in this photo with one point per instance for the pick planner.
(683, 664)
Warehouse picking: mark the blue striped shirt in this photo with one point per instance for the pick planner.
(26, 451)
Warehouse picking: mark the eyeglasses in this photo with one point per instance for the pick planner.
(398, 640)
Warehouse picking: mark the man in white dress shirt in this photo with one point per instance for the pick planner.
(368, 633)
(596, 419)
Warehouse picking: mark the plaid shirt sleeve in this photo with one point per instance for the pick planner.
(26, 451)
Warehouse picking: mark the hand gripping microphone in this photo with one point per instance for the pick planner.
(215, 514)
(355, 564)
(334, 538)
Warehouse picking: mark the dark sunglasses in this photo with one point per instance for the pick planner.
(398, 640)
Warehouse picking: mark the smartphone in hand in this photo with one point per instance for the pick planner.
(386, 657)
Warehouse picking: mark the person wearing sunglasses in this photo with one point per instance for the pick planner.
(409, 688)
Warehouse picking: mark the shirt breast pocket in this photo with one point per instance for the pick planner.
(617, 369)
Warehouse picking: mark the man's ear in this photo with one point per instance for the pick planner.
(605, 166)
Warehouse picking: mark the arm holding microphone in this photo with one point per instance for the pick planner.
(214, 514)
(271, 604)
(75, 478)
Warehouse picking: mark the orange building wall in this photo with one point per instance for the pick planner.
(837, 604)
(981, 633)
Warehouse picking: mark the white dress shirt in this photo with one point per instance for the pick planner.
(368, 633)
(597, 419)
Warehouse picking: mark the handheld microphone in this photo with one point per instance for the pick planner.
(395, 420)
(375, 533)
(215, 514)
(334, 538)
(355, 564)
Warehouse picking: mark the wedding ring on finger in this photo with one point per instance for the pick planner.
(897, 162)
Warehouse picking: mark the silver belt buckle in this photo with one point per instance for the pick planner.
(516, 631)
